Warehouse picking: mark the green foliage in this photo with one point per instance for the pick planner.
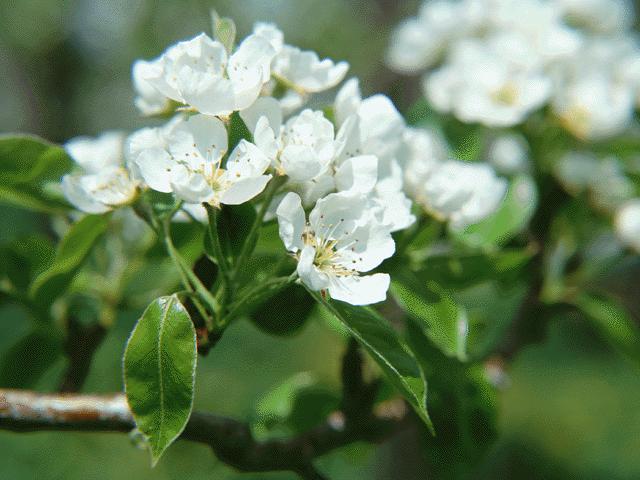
(509, 220)
(72, 252)
(285, 313)
(434, 310)
(159, 372)
(234, 223)
(27, 165)
(385, 347)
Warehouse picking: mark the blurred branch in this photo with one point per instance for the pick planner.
(231, 440)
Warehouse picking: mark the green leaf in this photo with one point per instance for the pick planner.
(29, 358)
(159, 372)
(72, 252)
(613, 322)
(458, 271)
(27, 165)
(509, 220)
(433, 310)
(383, 344)
(224, 30)
(285, 313)
(24, 258)
(27, 159)
(234, 225)
(237, 131)
(295, 406)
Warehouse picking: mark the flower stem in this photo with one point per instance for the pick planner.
(190, 280)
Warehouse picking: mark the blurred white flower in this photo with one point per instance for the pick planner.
(500, 60)
(509, 154)
(627, 224)
(594, 108)
(338, 243)
(462, 193)
(104, 183)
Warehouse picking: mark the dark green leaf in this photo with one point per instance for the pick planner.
(30, 358)
(159, 372)
(23, 259)
(510, 219)
(435, 311)
(285, 313)
(234, 225)
(72, 252)
(237, 131)
(457, 271)
(381, 342)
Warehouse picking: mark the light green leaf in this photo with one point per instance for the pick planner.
(613, 322)
(383, 344)
(27, 165)
(72, 252)
(510, 219)
(224, 30)
(159, 372)
(434, 311)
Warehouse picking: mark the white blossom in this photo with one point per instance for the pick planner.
(627, 224)
(462, 193)
(301, 148)
(594, 107)
(509, 154)
(199, 73)
(186, 159)
(149, 101)
(103, 183)
(338, 243)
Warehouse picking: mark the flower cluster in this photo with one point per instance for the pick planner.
(496, 61)
(344, 168)
(462, 193)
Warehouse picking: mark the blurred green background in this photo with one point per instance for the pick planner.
(571, 408)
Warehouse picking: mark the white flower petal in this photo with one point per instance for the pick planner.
(267, 107)
(364, 290)
(308, 273)
(155, 166)
(291, 222)
(245, 189)
(77, 195)
(358, 174)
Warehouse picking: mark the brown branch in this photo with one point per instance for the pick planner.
(231, 440)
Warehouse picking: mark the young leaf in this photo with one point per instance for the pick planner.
(159, 372)
(381, 342)
(224, 30)
(435, 311)
(237, 131)
(511, 217)
(73, 251)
